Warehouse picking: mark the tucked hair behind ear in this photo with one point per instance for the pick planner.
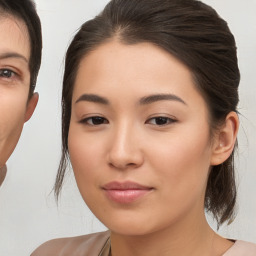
(193, 33)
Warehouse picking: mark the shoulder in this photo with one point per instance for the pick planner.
(242, 248)
(74, 246)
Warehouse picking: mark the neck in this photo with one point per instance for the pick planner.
(194, 238)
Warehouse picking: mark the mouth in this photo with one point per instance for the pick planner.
(125, 192)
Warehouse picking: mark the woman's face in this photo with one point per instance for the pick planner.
(15, 108)
(139, 138)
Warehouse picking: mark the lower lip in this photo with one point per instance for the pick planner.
(126, 196)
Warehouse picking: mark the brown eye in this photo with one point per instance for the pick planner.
(6, 73)
(94, 120)
(161, 120)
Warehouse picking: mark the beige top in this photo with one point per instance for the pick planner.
(241, 248)
(98, 244)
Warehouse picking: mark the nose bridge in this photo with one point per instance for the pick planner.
(125, 150)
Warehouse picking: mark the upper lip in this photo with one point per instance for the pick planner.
(127, 185)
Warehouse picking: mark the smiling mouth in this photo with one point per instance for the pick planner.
(125, 192)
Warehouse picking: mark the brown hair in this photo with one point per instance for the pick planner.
(26, 11)
(193, 33)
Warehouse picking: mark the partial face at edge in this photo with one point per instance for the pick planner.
(138, 119)
(14, 83)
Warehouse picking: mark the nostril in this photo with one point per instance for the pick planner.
(131, 164)
(130, 161)
(124, 152)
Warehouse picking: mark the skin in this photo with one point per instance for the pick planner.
(162, 143)
(15, 106)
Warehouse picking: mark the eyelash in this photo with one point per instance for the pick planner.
(98, 120)
(7, 73)
(162, 119)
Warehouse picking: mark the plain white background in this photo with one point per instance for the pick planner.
(28, 212)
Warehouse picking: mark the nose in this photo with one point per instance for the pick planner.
(125, 150)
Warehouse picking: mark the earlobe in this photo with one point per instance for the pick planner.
(225, 139)
(31, 106)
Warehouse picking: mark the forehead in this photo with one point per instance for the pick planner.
(14, 37)
(125, 73)
(115, 63)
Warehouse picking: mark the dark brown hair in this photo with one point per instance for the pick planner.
(193, 33)
(25, 10)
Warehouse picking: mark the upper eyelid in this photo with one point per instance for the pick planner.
(17, 66)
(85, 119)
(87, 116)
(169, 118)
(162, 115)
(8, 68)
(16, 71)
(148, 116)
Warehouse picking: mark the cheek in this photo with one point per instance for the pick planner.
(13, 104)
(85, 155)
(11, 120)
(184, 162)
(13, 111)
(87, 162)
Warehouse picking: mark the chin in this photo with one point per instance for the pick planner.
(130, 227)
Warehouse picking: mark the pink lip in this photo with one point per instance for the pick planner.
(125, 192)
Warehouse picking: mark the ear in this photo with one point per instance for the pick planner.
(31, 106)
(225, 139)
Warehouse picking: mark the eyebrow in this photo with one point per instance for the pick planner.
(160, 97)
(9, 55)
(143, 101)
(93, 98)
